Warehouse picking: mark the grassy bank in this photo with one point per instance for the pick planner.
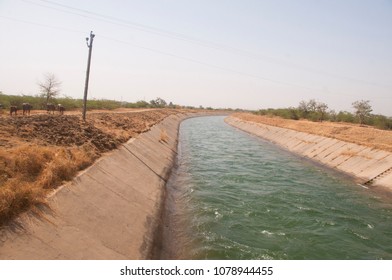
(354, 133)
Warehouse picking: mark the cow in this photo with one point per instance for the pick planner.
(13, 109)
(61, 109)
(26, 108)
(50, 108)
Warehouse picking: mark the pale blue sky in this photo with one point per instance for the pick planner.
(247, 54)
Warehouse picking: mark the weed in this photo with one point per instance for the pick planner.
(163, 137)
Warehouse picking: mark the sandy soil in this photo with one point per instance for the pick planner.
(362, 135)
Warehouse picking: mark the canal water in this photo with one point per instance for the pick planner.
(236, 196)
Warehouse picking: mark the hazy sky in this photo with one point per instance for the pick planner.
(247, 54)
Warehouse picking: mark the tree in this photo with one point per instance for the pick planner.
(50, 87)
(312, 105)
(303, 109)
(158, 103)
(312, 110)
(322, 110)
(332, 115)
(362, 110)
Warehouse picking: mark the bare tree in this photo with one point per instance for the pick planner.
(322, 110)
(312, 105)
(312, 108)
(303, 108)
(362, 110)
(50, 87)
(158, 103)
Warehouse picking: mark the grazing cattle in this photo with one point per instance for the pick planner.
(13, 109)
(61, 109)
(50, 108)
(26, 108)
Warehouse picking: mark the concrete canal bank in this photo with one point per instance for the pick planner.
(110, 211)
(370, 167)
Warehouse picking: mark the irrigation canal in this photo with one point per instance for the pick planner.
(236, 196)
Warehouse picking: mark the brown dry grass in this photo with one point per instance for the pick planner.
(30, 172)
(362, 135)
(163, 136)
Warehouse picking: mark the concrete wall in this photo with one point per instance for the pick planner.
(110, 211)
(371, 167)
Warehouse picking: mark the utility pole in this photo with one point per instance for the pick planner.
(90, 49)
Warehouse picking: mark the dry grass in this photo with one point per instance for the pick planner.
(163, 137)
(366, 136)
(349, 153)
(30, 172)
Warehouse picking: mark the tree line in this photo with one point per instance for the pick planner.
(50, 89)
(318, 111)
(39, 102)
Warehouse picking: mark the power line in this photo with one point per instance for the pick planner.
(42, 25)
(228, 69)
(284, 83)
(190, 39)
(168, 54)
(204, 63)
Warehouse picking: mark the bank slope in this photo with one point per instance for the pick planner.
(110, 211)
(371, 167)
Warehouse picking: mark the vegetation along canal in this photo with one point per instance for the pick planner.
(235, 196)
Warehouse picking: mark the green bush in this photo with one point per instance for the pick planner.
(378, 121)
(344, 116)
(39, 103)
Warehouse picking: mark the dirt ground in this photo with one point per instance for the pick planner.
(105, 130)
(362, 135)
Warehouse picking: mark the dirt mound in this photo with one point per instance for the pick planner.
(59, 131)
(104, 131)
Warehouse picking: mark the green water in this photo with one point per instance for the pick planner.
(235, 196)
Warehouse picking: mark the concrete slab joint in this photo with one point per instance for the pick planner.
(370, 167)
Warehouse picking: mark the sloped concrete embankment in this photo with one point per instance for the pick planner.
(371, 167)
(111, 211)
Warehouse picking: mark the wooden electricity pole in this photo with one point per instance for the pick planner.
(90, 49)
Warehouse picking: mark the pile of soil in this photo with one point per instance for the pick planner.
(104, 131)
(58, 131)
